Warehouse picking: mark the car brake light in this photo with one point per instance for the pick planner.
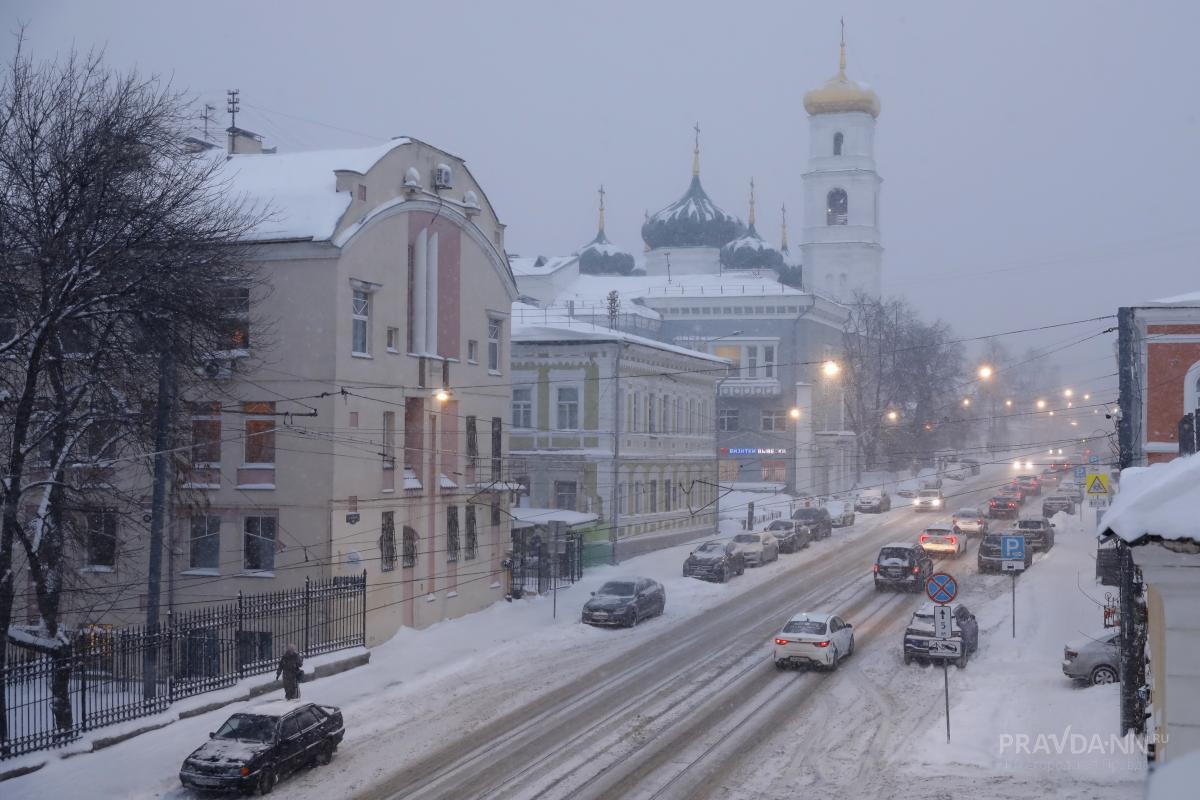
(953, 539)
(916, 570)
(822, 644)
(245, 771)
(875, 568)
(924, 538)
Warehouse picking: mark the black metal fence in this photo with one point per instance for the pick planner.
(104, 676)
(542, 561)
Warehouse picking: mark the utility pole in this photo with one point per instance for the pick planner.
(615, 516)
(162, 443)
(232, 106)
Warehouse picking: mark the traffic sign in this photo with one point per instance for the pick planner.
(1012, 547)
(1097, 484)
(1100, 501)
(1080, 474)
(945, 647)
(943, 621)
(1009, 565)
(1093, 459)
(941, 587)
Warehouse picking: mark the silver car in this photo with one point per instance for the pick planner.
(1094, 658)
(970, 520)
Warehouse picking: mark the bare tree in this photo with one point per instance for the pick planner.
(119, 254)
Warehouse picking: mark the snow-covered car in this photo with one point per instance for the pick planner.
(969, 520)
(956, 472)
(813, 639)
(963, 629)
(252, 750)
(625, 602)
(1013, 492)
(792, 537)
(757, 548)
(1094, 658)
(714, 561)
(908, 488)
(1038, 531)
(816, 518)
(942, 540)
(1055, 503)
(841, 513)
(972, 465)
(902, 565)
(988, 557)
(928, 500)
(1029, 485)
(873, 501)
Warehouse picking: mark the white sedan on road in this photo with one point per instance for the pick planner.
(943, 540)
(813, 638)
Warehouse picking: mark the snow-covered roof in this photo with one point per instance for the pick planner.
(1189, 299)
(1160, 500)
(528, 517)
(593, 289)
(533, 324)
(298, 189)
(523, 266)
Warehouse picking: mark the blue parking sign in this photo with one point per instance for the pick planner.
(1080, 474)
(1012, 547)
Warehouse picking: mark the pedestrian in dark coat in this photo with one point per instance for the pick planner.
(289, 668)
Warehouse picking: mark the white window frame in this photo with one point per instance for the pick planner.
(493, 343)
(393, 340)
(527, 407)
(1191, 389)
(472, 351)
(559, 407)
(209, 534)
(274, 542)
(360, 314)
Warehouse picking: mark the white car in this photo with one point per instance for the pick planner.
(813, 638)
(757, 548)
(943, 540)
(841, 513)
(928, 500)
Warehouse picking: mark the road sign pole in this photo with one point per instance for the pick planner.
(1014, 601)
(946, 680)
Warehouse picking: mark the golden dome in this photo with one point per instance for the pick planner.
(841, 95)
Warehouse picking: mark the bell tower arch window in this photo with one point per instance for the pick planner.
(838, 139)
(837, 207)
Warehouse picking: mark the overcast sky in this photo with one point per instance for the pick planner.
(1039, 158)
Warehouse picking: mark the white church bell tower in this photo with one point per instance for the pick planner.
(840, 247)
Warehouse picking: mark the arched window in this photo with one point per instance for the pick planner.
(837, 143)
(836, 207)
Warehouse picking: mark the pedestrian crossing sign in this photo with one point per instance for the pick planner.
(1097, 484)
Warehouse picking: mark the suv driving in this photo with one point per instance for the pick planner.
(902, 566)
(963, 628)
(1039, 532)
(873, 501)
(989, 559)
(928, 500)
(943, 540)
(816, 518)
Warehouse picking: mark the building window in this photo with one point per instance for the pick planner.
(568, 408)
(636, 416)
(387, 542)
(774, 471)
(452, 533)
(260, 434)
(837, 207)
(653, 497)
(774, 419)
(494, 326)
(102, 539)
(497, 447)
(728, 470)
(235, 317)
(258, 544)
(727, 419)
(389, 440)
(206, 434)
(651, 425)
(769, 361)
(495, 511)
(393, 340)
(565, 495)
(473, 351)
(734, 354)
(471, 545)
(408, 554)
(637, 497)
(205, 542)
(360, 314)
(838, 139)
(522, 408)
(752, 361)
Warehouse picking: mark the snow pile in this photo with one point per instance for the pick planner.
(1160, 500)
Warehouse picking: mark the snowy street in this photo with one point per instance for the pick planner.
(513, 703)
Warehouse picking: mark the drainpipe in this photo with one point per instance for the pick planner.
(613, 527)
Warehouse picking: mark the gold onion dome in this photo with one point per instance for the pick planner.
(840, 95)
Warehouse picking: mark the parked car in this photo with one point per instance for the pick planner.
(714, 561)
(988, 557)
(942, 540)
(816, 639)
(252, 750)
(969, 520)
(757, 548)
(1039, 532)
(841, 513)
(963, 628)
(928, 500)
(1095, 658)
(873, 501)
(1057, 502)
(1029, 485)
(1072, 490)
(816, 518)
(1003, 507)
(625, 602)
(791, 536)
(901, 565)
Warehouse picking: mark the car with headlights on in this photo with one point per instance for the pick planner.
(625, 602)
(792, 537)
(252, 750)
(1094, 659)
(963, 629)
(714, 561)
(928, 500)
(757, 548)
(841, 513)
(873, 501)
(813, 639)
(816, 518)
(943, 540)
(969, 520)
(901, 565)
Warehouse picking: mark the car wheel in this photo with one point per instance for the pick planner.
(907, 659)
(325, 754)
(267, 779)
(878, 588)
(742, 569)
(781, 665)
(725, 575)
(961, 663)
(632, 620)
(1103, 674)
(836, 658)
(850, 652)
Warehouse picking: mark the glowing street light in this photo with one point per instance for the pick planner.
(966, 402)
(1041, 404)
(442, 395)
(893, 416)
(794, 413)
(1052, 413)
(830, 368)
(1067, 393)
(1087, 397)
(985, 372)
(1008, 403)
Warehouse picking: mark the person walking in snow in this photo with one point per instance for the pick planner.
(289, 667)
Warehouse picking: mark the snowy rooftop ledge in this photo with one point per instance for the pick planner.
(1162, 501)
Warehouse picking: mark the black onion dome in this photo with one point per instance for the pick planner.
(602, 257)
(692, 221)
(749, 251)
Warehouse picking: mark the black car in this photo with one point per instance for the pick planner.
(792, 536)
(989, 559)
(1003, 507)
(625, 602)
(1039, 532)
(817, 519)
(254, 749)
(919, 632)
(903, 566)
(1056, 503)
(715, 561)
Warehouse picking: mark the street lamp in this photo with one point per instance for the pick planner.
(830, 368)
(985, 372)
(442, 395)
(1008, 403)
(794, 413)
(892, 416)
(1087, 397)
(1067, 393)
(1041, 404)
(966, 402)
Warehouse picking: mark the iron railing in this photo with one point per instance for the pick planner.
(540, 563)
(102, 676)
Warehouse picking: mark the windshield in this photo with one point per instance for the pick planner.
(804, 626)
(929, 493)
(711, 547)
(248, 727)
(617, 589)
(938, 532)
(746, 538)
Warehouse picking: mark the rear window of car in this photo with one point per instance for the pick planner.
(746, 538)
(966, 512)
(807, 513)
(1030, 524)
(804, 626)
(617, 589)
(895, 553)
(938, 532)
